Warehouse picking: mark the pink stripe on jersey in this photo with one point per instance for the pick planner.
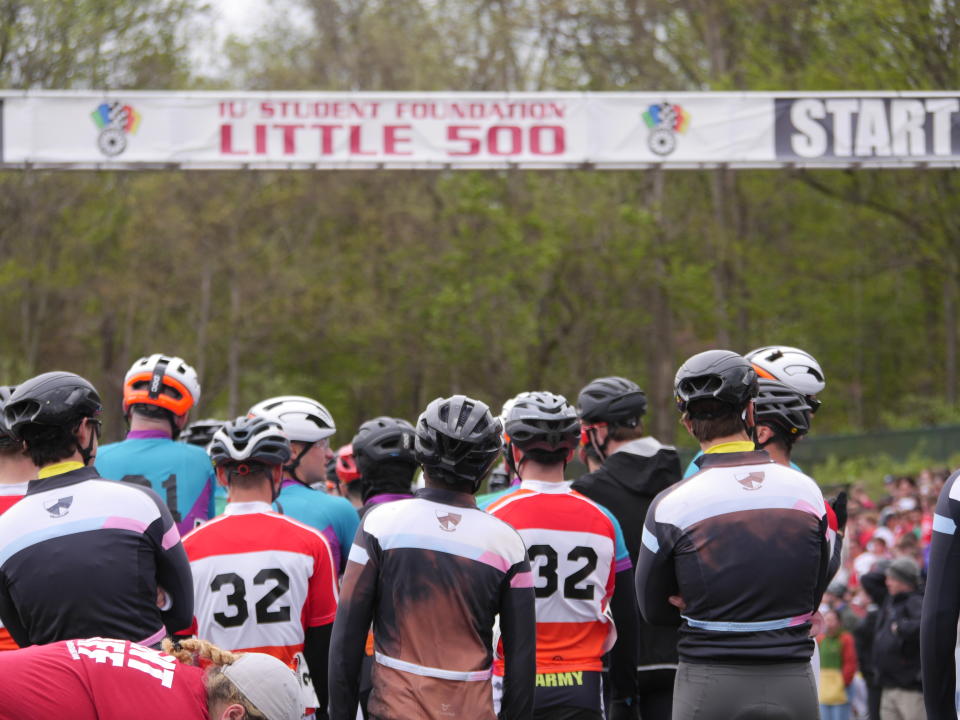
(124, 523)
(522, 580)
(170, 538)
(494, 560)
(155, 638)
(806, 507)
(800, 619)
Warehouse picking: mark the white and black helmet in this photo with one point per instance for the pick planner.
(793, 367)
(542, 421)
(302, 419)
(248, 440)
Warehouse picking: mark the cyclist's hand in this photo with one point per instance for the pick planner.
(677, 602)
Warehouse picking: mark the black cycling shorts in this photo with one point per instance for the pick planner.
(574, 695)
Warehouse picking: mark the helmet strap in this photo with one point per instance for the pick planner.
(291, 467)
(87, 452)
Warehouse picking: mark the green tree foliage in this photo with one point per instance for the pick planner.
(377, 291)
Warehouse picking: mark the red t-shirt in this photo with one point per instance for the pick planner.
(98, 679)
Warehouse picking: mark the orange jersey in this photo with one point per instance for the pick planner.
(9, 496)
(260, 579)
(575, 548)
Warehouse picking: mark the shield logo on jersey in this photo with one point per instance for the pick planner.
(753, 481)
(448, 521)
(59, 507)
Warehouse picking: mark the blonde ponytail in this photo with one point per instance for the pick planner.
(219, 687)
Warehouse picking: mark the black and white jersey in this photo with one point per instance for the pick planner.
(82, 557)
(744, 542)
(432, 573)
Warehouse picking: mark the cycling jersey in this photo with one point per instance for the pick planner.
(575, 549)
(260, 579)
(179, 473)
(334, 516)
(9, 495)
(744, 543)
(941, 607)
(97, 679)
(81, 556)
(432, 573)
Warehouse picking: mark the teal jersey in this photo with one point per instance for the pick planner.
(180, 473)
(333, 516)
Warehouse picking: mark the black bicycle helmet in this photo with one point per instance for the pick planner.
(250, 440)
(6, 437)
(458, 436)
(384, 438)
(201, 432)
(720, 375)
(782, 408)
(613, 400)
(542, 421)
(54, 399)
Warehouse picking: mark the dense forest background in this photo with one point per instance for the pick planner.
(377, 291)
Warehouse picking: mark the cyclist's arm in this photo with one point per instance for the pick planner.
(357, 601)
(518, 631)
(9, 615)
(623, 607)
(656, 579)
(319, 613)
(941, 608)
(316, 649)
(173, 568)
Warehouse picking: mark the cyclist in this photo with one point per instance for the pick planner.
(580, 563)
(795, 368)
(941, 607)
(634, 468)
(263, 582)
(16, 470)
(432, 573)
(158, 393)
(741, 549)
(346, 477)
(383, 449)
(81, 556)
(309, 427)
(101, 679)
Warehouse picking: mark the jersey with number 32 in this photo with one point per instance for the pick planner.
(575, 548)
(259, 580)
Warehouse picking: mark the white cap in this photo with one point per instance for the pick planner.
(269, 684)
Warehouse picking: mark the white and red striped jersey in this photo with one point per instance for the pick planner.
(259, 580)
(9, 496)
(575, 548)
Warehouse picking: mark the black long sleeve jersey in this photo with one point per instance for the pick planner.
(82, 557)
(941, 606)
(744, 542)
(432, 573)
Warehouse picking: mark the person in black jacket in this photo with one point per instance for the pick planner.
(634, 470)
(896, 643)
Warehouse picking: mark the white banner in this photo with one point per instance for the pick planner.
(137, 130)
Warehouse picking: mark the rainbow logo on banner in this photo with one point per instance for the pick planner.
(115, 122)
(665, 121)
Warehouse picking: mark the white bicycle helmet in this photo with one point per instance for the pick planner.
(795, 368)
(302, 419)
